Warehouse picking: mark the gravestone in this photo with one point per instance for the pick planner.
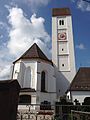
(9, 94)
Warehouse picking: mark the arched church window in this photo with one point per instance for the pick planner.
(61, 22)
(27, 78)
(43, 76)
(25, 99)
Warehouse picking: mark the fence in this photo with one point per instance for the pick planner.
(34, 116)
(33, 112)
(79, 115)
(56, 112)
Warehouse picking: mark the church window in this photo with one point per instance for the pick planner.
(61, 22)
(63, 65)
(27, 78)
(62, 49)
(43, 81)
(25, 99)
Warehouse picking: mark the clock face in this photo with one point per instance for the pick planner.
(62, 36)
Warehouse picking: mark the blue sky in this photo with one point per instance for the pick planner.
(24, 22)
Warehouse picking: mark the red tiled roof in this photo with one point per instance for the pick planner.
(81, 82)
(61, 12)
(34, 52)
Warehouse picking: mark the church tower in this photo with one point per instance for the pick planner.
(63, 47)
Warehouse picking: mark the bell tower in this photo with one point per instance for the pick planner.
(62, 45)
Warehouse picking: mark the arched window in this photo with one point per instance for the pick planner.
(25, 99)
(27, 78)
(43, 81)
(61, 22)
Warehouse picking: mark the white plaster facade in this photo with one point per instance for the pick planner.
(79, 95)
(28, 74)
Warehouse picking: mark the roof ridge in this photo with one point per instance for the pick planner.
(41, 52)
(34, 52)
(37, 49)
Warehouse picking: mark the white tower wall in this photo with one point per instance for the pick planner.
(63, 49)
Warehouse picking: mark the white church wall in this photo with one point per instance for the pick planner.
(69, 95)
(50, 80)
(50, 97)
(80, 95)
(16, 72)
(63, 48)
(64, 64)
(61, 83)
(33, 74)
(22, 73)
(54, 41)
(61, 18)
(27, 78)
(33, 99)
(50, 94)
(72, 72)
(19, 73)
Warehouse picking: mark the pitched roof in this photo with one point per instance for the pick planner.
(34, 52)
(81, 82)
(61, 12)
(27, 90)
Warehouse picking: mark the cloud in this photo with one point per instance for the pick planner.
(82, 5)
(35, 4)
(23, 33)
(38, 2)
(5, 63)
(1, 36)
(3, 25)
(5, 73)
(80, 46)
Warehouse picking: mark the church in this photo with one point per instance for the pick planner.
(42, 79)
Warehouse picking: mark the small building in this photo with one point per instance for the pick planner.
(80, 86)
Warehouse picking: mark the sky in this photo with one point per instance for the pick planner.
(25, 22)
